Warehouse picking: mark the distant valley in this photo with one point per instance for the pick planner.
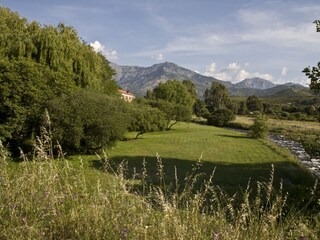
(140, 79)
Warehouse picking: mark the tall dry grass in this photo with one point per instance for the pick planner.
(49, 199)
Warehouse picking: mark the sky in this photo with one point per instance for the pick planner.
(228, 39)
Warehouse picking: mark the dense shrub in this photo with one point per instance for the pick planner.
(86, 121)
(220, 117)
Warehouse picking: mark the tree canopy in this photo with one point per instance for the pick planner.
(39, 63)
(174, 99)
(175, 92)
(253, 103)
(216, 97)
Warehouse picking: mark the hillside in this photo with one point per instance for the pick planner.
(140, 79)
(255, 83)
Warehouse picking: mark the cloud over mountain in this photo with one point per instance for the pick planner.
(234, 72)
(108, 53)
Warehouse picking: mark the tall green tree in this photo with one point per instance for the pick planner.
(174, 99)
(191, 88)
(216, 97)
(254, 104)
(175, 92)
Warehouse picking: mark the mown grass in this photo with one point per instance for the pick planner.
(233, 156)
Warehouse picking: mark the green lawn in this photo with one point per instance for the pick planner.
(235, 157)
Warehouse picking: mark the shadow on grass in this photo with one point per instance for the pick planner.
(231, 178)
(232, 136)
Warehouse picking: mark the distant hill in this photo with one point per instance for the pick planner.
(255, 83)
(140, 79)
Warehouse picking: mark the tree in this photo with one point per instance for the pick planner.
(254, 104)
(147, 119)
(314, 73)
(220, 117)
(175, 92)
(174, 99)
(25, 88)
(191, 88)
(39, 63)
(86, 121)
(216, 97)
(199, 109)
(242, 110)
(174, 113)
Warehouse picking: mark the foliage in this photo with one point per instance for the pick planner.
(242, 110)
(216, 97)
(199, 108)
(191, 88)
(175, 92)
(259, 129)
(39, 63)
(146, 119)
(220, 117)
(254, 104)
(314, 73)
(174, 99)
(25, 86)
(173, 112)
(86, 121)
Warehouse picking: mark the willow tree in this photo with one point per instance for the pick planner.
(39, 63)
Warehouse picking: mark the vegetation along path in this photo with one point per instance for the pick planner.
(234, 156)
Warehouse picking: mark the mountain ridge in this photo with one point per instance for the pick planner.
(140, 79)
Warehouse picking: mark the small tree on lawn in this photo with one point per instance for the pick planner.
(147, 119)
(259, 129)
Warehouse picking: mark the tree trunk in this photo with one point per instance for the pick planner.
(140, 133)
(169, 127)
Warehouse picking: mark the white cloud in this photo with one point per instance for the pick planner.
(158, 57)
(234, 72)
(108, 53)
(283, 71)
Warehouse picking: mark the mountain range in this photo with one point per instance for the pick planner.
(140, 79)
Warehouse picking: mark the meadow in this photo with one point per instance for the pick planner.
(178, 184)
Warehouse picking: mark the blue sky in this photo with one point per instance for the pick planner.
(228, 39)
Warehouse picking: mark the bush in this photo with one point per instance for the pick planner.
(220, 117)
(259, 129)
(85, 121)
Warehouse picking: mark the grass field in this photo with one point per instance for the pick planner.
(235, 157)
(76, 199)
(288, 125)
